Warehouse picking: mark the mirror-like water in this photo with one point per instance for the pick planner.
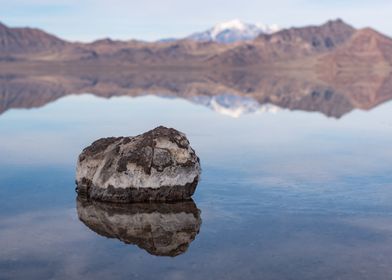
(284, 194)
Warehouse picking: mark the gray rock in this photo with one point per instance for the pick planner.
(162, 229)
(159, 165)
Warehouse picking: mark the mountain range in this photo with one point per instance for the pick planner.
(332, 68)
(332, 46)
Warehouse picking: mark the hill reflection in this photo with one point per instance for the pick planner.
(231, 93)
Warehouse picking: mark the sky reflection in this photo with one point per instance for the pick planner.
(288, 195)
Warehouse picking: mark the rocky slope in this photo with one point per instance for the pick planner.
(364, 48)
(289, 44)
(306, 47)
(27, 40)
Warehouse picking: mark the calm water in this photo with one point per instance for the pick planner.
(284, 194)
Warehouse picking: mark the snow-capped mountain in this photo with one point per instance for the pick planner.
(234, 106)
(233, 31)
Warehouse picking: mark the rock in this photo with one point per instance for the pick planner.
(162, 229)
(159, 165)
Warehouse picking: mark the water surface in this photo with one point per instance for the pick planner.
(285, 194)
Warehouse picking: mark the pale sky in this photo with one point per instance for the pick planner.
(86, 20)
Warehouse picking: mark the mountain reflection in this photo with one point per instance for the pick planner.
(231, 93)
(162, 229)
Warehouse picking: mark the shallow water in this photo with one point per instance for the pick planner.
(284, 194)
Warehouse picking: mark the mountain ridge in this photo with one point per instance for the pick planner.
(26, 39)
(311, 46)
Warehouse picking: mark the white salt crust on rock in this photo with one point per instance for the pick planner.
(159, 165)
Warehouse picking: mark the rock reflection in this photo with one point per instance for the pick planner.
(162, 229)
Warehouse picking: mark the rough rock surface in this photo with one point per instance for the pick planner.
(162, 229)
(159, 165)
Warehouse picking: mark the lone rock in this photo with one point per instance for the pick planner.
(159, 165)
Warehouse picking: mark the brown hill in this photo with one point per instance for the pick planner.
(27, 40)
(291, 44)
(311, 38)
(366, 49)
